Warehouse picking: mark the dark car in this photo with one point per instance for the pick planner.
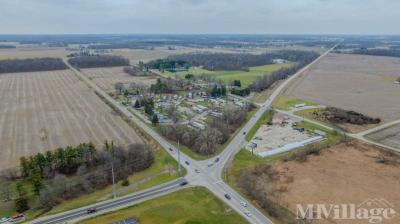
(227, 196)
(217, 160)
(244, 133)
(187, 163)
(170, 149)
(91, 210)
(183, 183)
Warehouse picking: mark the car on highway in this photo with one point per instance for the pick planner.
(183, 183)
(197, 171)
(5, 220)
(244, 133)
(248, 214)
(243, 203)
(91, 210)
(227, 196)
(170, 149)
(217, 160)
(187, 163)
(210, 164)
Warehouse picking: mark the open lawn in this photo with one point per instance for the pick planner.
(246, 78)
(288, 102)
(191, 205)
(42, 111)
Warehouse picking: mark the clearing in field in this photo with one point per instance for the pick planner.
(353, 82)
(41, 111)
(106, 78)
(246, 78)
(191, 205)
(389, 136)
(341, 174)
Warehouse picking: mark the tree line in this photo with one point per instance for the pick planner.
(98, 61)
(167, 64)
(7, 46)
(31, 65)
(267, 80)
(225, 61)
(73, 171)
(337, 115)
(393, 52)
(257, 183)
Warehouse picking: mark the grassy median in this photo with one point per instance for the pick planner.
(188, 206)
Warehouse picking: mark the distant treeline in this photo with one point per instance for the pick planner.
(223, 61)
(98, 61)
(31, 65)
(269, 79)
(167, 64)
(6, 46)
(393, 52)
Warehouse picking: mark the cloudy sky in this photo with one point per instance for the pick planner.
(200, 16)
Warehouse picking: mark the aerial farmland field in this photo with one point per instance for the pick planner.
(353, 82)
(388, 136)
(106, 78)
(41, 111)
(32, 52)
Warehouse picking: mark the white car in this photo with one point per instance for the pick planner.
(242, 203)
(248, 214)
(5, 220)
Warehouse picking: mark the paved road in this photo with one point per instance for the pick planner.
(114, 204)
(207, 176)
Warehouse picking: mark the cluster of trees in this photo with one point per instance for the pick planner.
(237, 83)
(337, 115)
(147, 103)
(218, 91)
(393, 52)
(140, 70)
(257, 183)
(206, 141)
(167, 64)
(73, 171)
(31, 65)
(166, 86)
(98, 61)
(241, 92)
(223, 61)
(266, 81)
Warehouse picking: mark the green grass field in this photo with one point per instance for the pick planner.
(246, 78)
(188, 206)
(286, 102)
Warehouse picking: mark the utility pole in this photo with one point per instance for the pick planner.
(179, 160)
(111, 150)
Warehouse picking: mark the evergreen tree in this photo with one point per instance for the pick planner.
(154, 120)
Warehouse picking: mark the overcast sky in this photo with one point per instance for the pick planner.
(200, 16)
